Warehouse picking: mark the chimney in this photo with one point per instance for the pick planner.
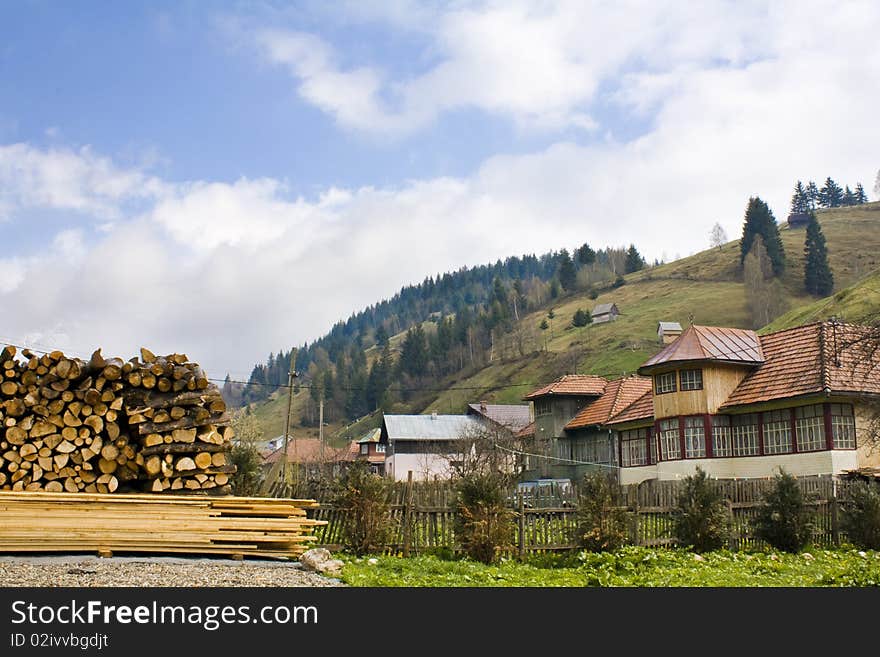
(433, 415)
(482, 407)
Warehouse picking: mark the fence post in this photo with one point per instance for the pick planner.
(521, 534)
(731, 540)
(635, 505)
(407, 514)
(835, 522)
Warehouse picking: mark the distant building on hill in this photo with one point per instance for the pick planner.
(798, 219)
(604, 312)
(668, 331)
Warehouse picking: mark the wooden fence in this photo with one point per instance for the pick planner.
(423, 515)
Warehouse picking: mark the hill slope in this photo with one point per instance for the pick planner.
(705, 288)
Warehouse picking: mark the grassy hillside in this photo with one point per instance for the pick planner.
(705, 288)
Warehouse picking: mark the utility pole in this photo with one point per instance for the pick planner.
(291, 375)
(321, 426)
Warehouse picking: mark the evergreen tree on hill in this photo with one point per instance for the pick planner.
(759, 220)
(813, 195)
(831, 195)
(861, 197)
(848, 197)
(634, 260)
(414, 353)
(566, 272)
(800, 201)
(818, 279)
(585, 255)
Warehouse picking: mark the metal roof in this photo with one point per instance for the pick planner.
(429, 427)
(710, 343)
(511, 416)
(668, 326)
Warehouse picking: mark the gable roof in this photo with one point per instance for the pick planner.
(571, 385)
(716, 343)
(641, 409)
(308, 450)
(619, 394)
(372, 436)
(510, 416)
(603, 308)
(428, 427)
(526, 432)
(816, 358)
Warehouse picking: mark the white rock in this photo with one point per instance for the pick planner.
(808, 556)
(319, 561)
(372, 562)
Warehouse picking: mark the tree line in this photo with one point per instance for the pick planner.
(809, 197)
(451, 323)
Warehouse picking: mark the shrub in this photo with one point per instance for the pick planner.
(618, 281)
(784, 520)
(581, 317)
(483, 524)
(248, 476)
(600, 526)
(364, 498)
(861, 515)
(594, 293)
(701, 519)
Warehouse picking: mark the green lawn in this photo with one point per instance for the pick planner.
(627, 567)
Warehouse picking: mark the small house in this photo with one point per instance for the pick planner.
(604, 312)
(372, 451)
(798, 219)
(426, 445)
(668, 331)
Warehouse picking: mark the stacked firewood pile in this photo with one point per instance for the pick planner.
(104, 425)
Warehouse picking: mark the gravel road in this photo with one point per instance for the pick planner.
(84, 570)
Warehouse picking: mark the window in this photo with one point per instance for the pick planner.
(843, 426)
(744, 434)
(670, 445)
(380, 448)
(691, 379)
(694, 437)
(721, 442)
(634, 447)
(777, 432)
(542, 407)
(365, 449)
(664, 383)
(810, 423)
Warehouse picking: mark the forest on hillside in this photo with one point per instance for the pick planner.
(453, 322)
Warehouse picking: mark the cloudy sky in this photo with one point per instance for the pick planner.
(228, 179)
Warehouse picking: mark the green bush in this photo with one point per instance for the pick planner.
(620, 280)
(483, 524)
(581, 317)
(701, 518)
(784, 520)
(364, 498)
(600, 526)
(248, 475)
(861, 515)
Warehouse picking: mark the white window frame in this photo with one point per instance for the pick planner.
(744, 434)
(380, 448)
(810, 425)
(843, 426)
(722, 444)
(664, 383)
(690, 380)
(670, 440)
(695, 437)
(633, 447)
(777, 432)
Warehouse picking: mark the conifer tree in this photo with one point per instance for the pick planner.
(831, 195)
(759, 220)
(861, 197)
(800, 201)
(566, 272)
(634, 260)
(818, 279)
(848, 197)
(585, 255)
(813, 195)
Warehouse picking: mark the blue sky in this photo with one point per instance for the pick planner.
(230, 178)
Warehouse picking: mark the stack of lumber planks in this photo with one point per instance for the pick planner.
(235, 526)
(105, 425)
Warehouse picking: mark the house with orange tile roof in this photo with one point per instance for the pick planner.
(734, 403)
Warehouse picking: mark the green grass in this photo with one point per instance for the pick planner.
(627, 567)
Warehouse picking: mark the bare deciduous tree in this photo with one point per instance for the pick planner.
(764, 293)
(718, 236)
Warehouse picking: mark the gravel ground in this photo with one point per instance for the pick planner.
(82, 570)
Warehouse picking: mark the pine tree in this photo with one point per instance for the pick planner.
(759, 220)
(581, 318)
(831, 195)
(634, 260)
(414, 353)
(848, 197)
(566, 271)
(585, 255)
(800, 201)
(813, 195)
(861, 197)
(818, 279)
